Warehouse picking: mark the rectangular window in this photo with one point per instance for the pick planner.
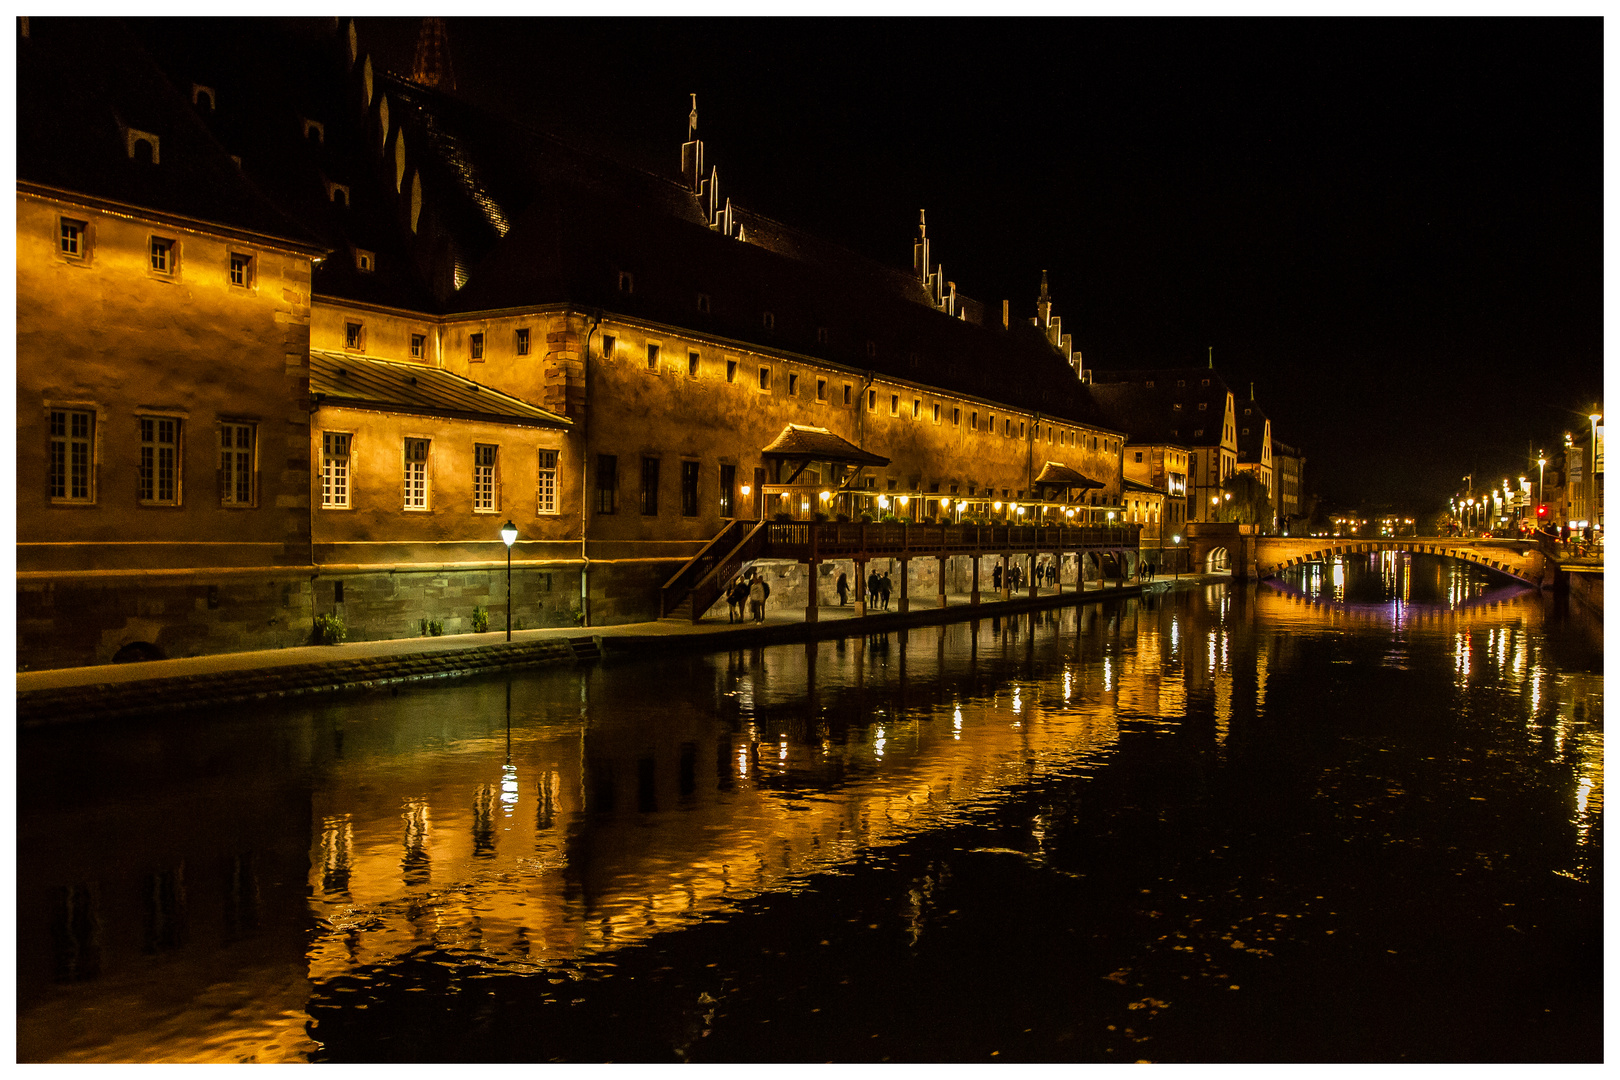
(486, 487)
(848, 389)
(161, 258)
(916, 408)
(71, 455)
(764, 378)
(936, 412)
(523, 341)
(1021, 428)
(894, 404)
(547, 501)
(689, 489)
(871, 400)
(416, 474)
(973, 421)
(160, 460)
(956, 417)
(821, 389)
(728, 491)
(475, 344)
(241, 269)
(71, 241)
(418, 346)
(236, 469)
(793, 385)
(607, 346)
(731, 371)
(1139, 457)
(354, 335)
(692, 364)
(649, 486)
(334, 469)
(607, 484)
(652, 357)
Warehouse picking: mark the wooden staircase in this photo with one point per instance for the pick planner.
(697, 585)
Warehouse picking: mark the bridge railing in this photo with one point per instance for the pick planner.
(819, 540)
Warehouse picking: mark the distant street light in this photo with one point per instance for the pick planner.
(1541, 485)
(508, 536)
(1591, 483)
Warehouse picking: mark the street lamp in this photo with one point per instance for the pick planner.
(508, 536)
(1591, 483)
(1176, 540)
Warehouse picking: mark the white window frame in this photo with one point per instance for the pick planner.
(238, 463)
(66, 444)
(337, 473)
(546, 486)
(170, 262)
(80, 238)
(247, 262)
(416, 493)
(486, 478)
(154, 449)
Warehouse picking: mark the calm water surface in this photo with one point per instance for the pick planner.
(1352, 815)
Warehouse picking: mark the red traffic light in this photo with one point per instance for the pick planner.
(1541, 511)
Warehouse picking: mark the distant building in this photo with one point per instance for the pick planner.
(1288, 469)
(1180, 407)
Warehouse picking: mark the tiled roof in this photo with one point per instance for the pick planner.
(1059, 474)
(1145, 403)
(819, 444)
(1138, 486)
(1251, 430)
(416, 389)
(83, 85)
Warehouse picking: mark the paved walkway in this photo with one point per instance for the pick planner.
(779, 622)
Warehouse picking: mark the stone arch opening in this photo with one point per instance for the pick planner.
(137, 651)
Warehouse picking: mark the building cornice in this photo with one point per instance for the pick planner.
(179, 221)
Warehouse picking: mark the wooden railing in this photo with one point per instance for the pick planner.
(726, 568)
(676, 588)
(820, 540)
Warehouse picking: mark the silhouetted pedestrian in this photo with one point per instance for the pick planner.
(995, 577)
(842, 585)
(883, 590)
(756, 597)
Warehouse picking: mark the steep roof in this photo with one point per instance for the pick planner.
(366, 382)
(84, 85)
(1060, 475)
(1251, 431)
(1162, 406)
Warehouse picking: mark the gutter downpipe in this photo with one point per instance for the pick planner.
(584, 490)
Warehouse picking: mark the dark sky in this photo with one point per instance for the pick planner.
(1393, 228)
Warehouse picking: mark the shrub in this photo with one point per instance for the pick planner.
(889, 519)
(842, 517)
(819, 516)
(866, 519)
(431, 627)
(781, 515)
(480, 620)
(329, 630)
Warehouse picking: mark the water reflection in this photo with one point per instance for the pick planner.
(539, 825)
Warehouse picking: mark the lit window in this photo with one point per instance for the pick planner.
(353, 336)
(72, 452)
(475, 343)
(162, 256)
(72, 239)
(523, 341)
(486, 492)
(241, 269)
(236, 464)
(547, 501)
(160, 461)
(418, 346)
(365, 260)
(335, 469)
(416, 474)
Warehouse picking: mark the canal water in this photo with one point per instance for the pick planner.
(1352, 815)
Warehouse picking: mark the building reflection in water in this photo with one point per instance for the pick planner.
(537, 824)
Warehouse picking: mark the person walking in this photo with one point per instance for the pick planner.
(883, 591)
(756, 597)
(872, 589)
(736, 596)
(995, 577)
(842, 585)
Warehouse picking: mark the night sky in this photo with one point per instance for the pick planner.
(1393, 228)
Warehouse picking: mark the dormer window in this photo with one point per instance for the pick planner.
(1202, 405)
(365, 260)
(201, 94)
(915, 361)
(768, 320)
(871, 350)
(703, 302)
(1181, 382)
(141, 145)
(334, 191)
(1150, 384)
(1206, 382)
(1245, 431)
(821, 335)
(627, 282)
(1176, 407)
(316, 128)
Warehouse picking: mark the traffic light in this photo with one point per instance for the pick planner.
(1541, 511)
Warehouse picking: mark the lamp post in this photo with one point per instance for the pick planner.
(1591, 483)
(508, 536)
(1176, 540)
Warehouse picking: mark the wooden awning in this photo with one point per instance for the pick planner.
(800, 443)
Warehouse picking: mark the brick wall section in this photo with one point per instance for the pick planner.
(156, 696)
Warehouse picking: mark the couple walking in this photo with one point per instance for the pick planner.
(751, 590)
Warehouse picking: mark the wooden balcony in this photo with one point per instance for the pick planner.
(809, 541)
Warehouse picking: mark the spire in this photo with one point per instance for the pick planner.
(432, 67)
(691, 121)
(1043, 306)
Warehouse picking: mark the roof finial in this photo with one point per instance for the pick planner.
(691, 120)
(432, 66)
(1043, 284)
(923, 214)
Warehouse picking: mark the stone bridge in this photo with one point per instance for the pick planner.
(1238, 548)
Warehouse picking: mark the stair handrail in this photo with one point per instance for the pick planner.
(708, 589)
(692, 570)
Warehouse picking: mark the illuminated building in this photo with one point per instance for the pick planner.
(267, 221)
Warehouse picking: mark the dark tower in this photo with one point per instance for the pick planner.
(432, 67)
